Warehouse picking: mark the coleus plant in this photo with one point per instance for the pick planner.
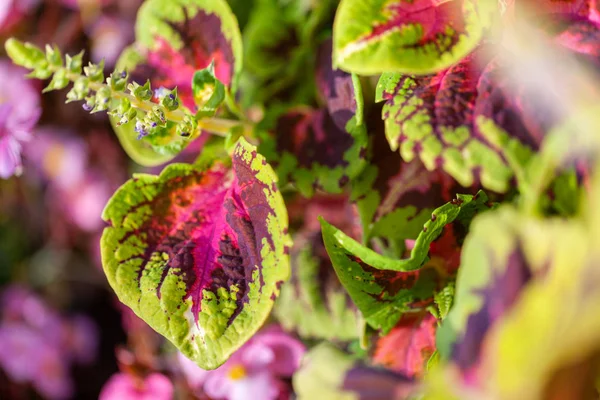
(397, 123)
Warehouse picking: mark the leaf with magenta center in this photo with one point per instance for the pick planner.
(383, 288)
(200, 252)
(408, 36)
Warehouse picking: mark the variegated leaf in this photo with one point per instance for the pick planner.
(323, 149)
(454, 120)
(200, 252)
(417, 37)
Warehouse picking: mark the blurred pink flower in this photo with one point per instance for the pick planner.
(125, 387)
(256, 368)
(81, 339)
(51, 372)
(85, 203)
(27, 356)
(13, 11)
(19, 112)
(30, 330)
(58, 155)
(109, 37)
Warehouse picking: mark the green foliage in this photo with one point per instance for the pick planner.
(384, 288)
(209, 92)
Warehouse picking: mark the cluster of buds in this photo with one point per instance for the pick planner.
(125, 101)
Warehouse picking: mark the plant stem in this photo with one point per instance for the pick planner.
(215, 126)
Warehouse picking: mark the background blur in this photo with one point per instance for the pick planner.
(59, 322)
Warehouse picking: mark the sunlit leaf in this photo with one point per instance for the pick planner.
(420, 36)
(525, 322)
(200, 253)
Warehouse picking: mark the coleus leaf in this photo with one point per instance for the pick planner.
(417, 37)
(492, 274)
(329, 373)
(323, 149)
(455, 120)
(383, 288)
(409, 345)
(185, 36)
(200, 252)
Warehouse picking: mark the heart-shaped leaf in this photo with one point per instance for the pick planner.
(200, 253)
(408, 36)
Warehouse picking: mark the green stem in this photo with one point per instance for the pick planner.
(215, 126)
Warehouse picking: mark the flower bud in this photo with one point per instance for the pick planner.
(95, 71)
(142, 93)
(118, 80)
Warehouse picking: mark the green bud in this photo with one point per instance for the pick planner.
(40, 73)
(73, 64)
(158, 115)
(54, 56)
(128, 116)
(117, 80)
(187, 127)
(95, 71)
(209, 92)
(170, 100)
(59, 81)
(80, 90)
(103, 97)
(142, 93)
(24, 54)
(124, 105)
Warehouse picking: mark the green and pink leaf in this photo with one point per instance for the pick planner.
(200, 252)
(416, 37)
